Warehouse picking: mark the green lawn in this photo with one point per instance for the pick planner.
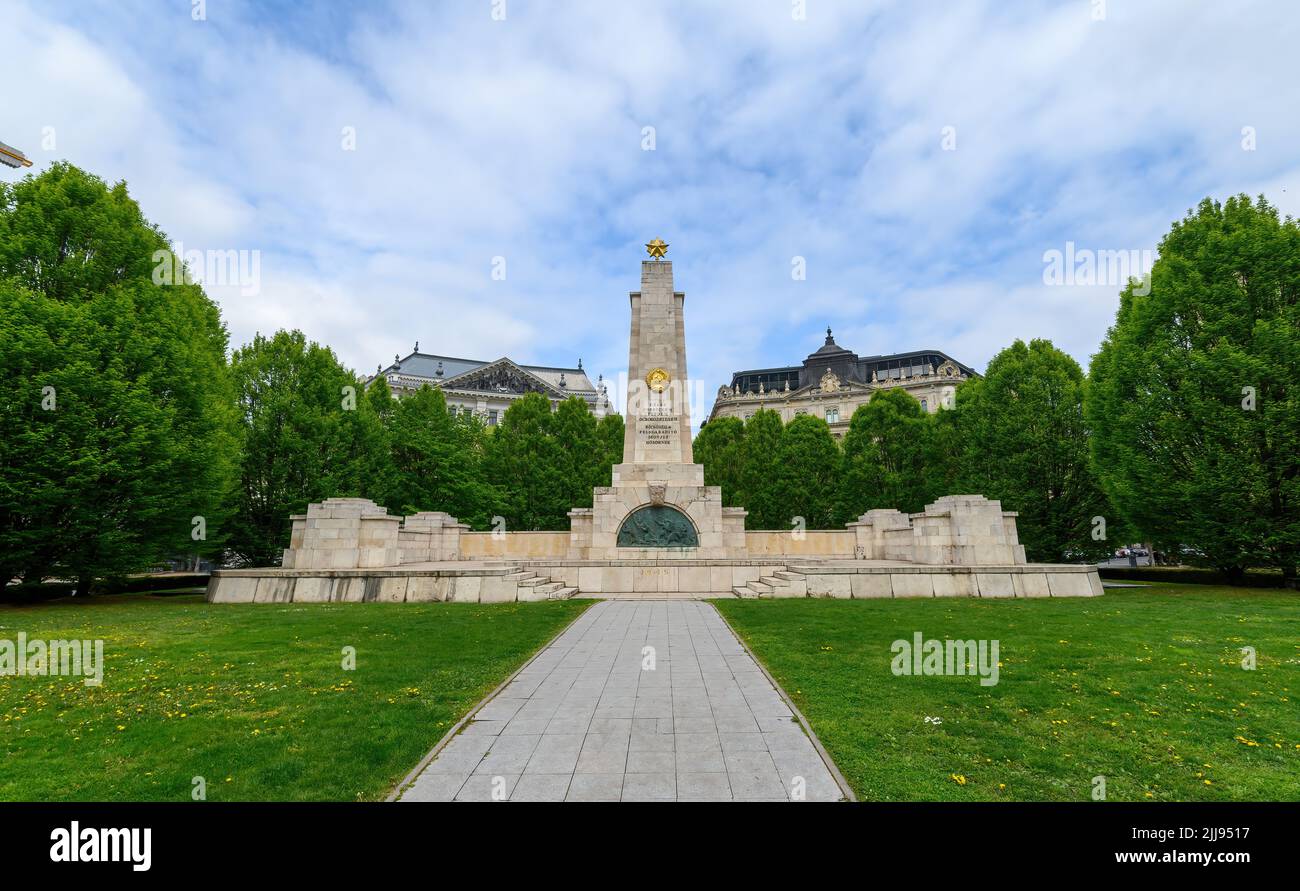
(1142, 686)
(252, 697)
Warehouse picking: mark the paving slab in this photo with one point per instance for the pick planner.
(638, 700)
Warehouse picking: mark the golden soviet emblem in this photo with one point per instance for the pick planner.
(657, 379)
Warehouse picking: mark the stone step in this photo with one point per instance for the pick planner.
(533, 580)
(760, 588)
(789, 576)
(789, 584)
(771, 582)
(548, 587)
(563, 594)
(657, 595)
(744, 591)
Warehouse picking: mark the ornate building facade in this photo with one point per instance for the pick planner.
(833, 381)
(489, 388)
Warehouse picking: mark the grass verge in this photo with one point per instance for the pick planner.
(252, 698)
(1143, 687)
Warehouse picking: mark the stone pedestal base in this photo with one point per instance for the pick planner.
(431, 536)
(343, 533)
(957, 530)
(356, 533)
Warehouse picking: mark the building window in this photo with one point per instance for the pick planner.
(925, 406)
(492, 417)
(832, 415)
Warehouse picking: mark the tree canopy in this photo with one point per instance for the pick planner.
(1193, 398)
(719, 447)
(118, 446)
(1023, 441)
(130, 439)
(759, 487)
(436, 459)
(807, 473)
(307, 433)
(885, 456)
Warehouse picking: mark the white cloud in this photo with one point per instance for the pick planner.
(775, 138)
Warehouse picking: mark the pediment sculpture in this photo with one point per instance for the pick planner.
(503, 378)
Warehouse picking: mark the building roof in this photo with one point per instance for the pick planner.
(435, 368)
(845, 363)
(830, 349)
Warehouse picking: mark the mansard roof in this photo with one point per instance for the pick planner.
(848, 366)
(458, 373)
(917, 354)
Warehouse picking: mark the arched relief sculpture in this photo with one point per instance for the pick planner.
(657, 526)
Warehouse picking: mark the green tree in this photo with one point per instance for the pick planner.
(609, 432)
(886, 449)
(118, 437)
(945, 456)
(1193, 396)
(474, 435)
(434, 462)
(525, 462)
(808, 472)
(381, 400)
(385, 485)
(758, 475)
(1024, 442)
(579, 452)
(306, 436)
(719, 446)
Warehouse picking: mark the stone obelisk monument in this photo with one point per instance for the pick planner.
(658, 418)
(658, 506)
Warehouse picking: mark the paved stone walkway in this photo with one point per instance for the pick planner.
(587, 722)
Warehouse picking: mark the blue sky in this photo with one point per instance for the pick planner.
(776, 137)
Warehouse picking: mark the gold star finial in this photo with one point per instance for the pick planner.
(657, 248)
